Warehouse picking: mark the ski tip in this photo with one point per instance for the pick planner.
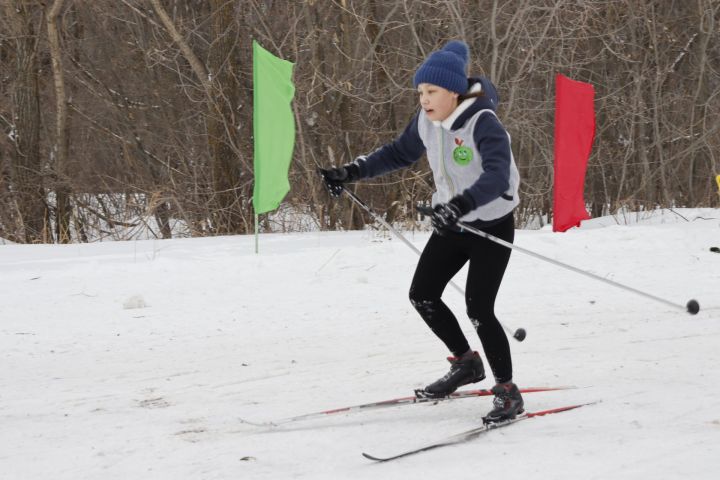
(371, 457)
(559, 409)
(257, 424)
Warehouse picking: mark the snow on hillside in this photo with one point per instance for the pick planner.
(137, 359)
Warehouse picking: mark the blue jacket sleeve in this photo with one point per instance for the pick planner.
(401, 152)
(493, 143)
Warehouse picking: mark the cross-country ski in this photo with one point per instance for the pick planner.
(394, 402)
(472, 433)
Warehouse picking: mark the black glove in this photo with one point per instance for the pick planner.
(447, 215)
(335, 178)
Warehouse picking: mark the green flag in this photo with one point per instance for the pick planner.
(273, 128)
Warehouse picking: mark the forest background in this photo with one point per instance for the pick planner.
(119, 115)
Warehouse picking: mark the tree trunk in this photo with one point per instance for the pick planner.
(26, 163)
(221, 92)
(62, 189)
(221, 122)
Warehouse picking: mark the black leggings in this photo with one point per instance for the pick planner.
(443, 256)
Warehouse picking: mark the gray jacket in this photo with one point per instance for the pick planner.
(469, 154)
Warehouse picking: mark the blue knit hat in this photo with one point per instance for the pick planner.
(446, 68)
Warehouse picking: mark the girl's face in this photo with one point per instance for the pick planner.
(437, 102)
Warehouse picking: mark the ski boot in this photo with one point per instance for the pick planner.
(507, 404)
(463, 370)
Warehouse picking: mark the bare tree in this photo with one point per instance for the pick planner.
(28, 206)
(60, 149)
(137, 114)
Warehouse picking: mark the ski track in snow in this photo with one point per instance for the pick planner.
(90, 389)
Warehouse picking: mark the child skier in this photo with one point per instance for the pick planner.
(476, 181)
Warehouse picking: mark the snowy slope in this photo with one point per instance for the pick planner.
(91, 388)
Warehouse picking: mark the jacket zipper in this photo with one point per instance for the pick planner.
(442, 163)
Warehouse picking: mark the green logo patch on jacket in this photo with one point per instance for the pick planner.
(462, 155)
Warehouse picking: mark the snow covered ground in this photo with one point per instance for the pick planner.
(137, 359)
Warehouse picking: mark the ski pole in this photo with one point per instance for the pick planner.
(691, 307)
(518, 334)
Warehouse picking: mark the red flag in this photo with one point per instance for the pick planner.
(574, 134)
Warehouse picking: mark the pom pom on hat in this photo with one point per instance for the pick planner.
(459, 48)
(446, 68)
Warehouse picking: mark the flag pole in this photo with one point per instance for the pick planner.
(256, 233)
